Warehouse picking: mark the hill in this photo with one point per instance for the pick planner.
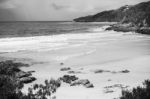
(129, 18)
(105, 16)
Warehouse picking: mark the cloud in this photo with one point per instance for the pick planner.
(56, 9)
(73, 8)
(1, 1)
(64, 7)
(7, 4)
(59, 7)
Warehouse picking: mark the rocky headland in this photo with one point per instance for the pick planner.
(134, 18)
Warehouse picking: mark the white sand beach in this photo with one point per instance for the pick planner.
(85, 53)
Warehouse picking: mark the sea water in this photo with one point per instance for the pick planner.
(53, 36)
(38, 36)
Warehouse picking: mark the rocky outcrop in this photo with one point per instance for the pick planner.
(105, 16)
(27, 80)
(68, 78)
(136, 16)
(126, 28)
(25, 77)
(84, 82)
(74, 81)
(22, 74)
(125, 71)
(65, 69)
(143, 30)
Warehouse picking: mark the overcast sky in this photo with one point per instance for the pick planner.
(52, 10)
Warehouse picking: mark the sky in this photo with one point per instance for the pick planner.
(56, 10)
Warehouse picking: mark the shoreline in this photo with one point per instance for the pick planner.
(129, 28)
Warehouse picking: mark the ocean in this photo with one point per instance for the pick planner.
(17, 36)
(28, 29)
(87, 38)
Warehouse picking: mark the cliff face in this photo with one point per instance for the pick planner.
(105, 16)
(137, 15)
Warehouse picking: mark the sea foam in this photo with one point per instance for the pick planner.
(55, 42)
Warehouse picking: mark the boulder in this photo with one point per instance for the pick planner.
(85, 82)
(89, 85)
(74, 72)
(125, 71)
(27, 80)
(22, 74)
(65, 69)
(68, 78)
(61, 63)
(143, 30)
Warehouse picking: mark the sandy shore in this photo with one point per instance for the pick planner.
(111, 55)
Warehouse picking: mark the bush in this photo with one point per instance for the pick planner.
(10, 68)
(42, 91)
(138, 93)
(10, 87)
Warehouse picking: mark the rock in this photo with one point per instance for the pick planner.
(65, 69)
(68, 78)
(116, 86)
(89, 85)
(135, 14)
(74, 72)
(61, 63)
(143, 30)
(27, 80)
(100, 71)
(22, 74)
(114, 72)
(25, 77)
(80, 82)
(31, 71)
(122, 28)
(74, 81)
(108, 91)
(125, 71)
(85, 82)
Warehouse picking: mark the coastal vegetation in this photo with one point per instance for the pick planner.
(11, 84)
(12, 80)
(138, 92)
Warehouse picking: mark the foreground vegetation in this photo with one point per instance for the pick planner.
(138, 92)
(10, 86)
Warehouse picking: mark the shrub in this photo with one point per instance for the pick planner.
(9, 85)
(10, 68)
(138, 92)
(42, 91)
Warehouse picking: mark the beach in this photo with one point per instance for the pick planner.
(111, 61)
